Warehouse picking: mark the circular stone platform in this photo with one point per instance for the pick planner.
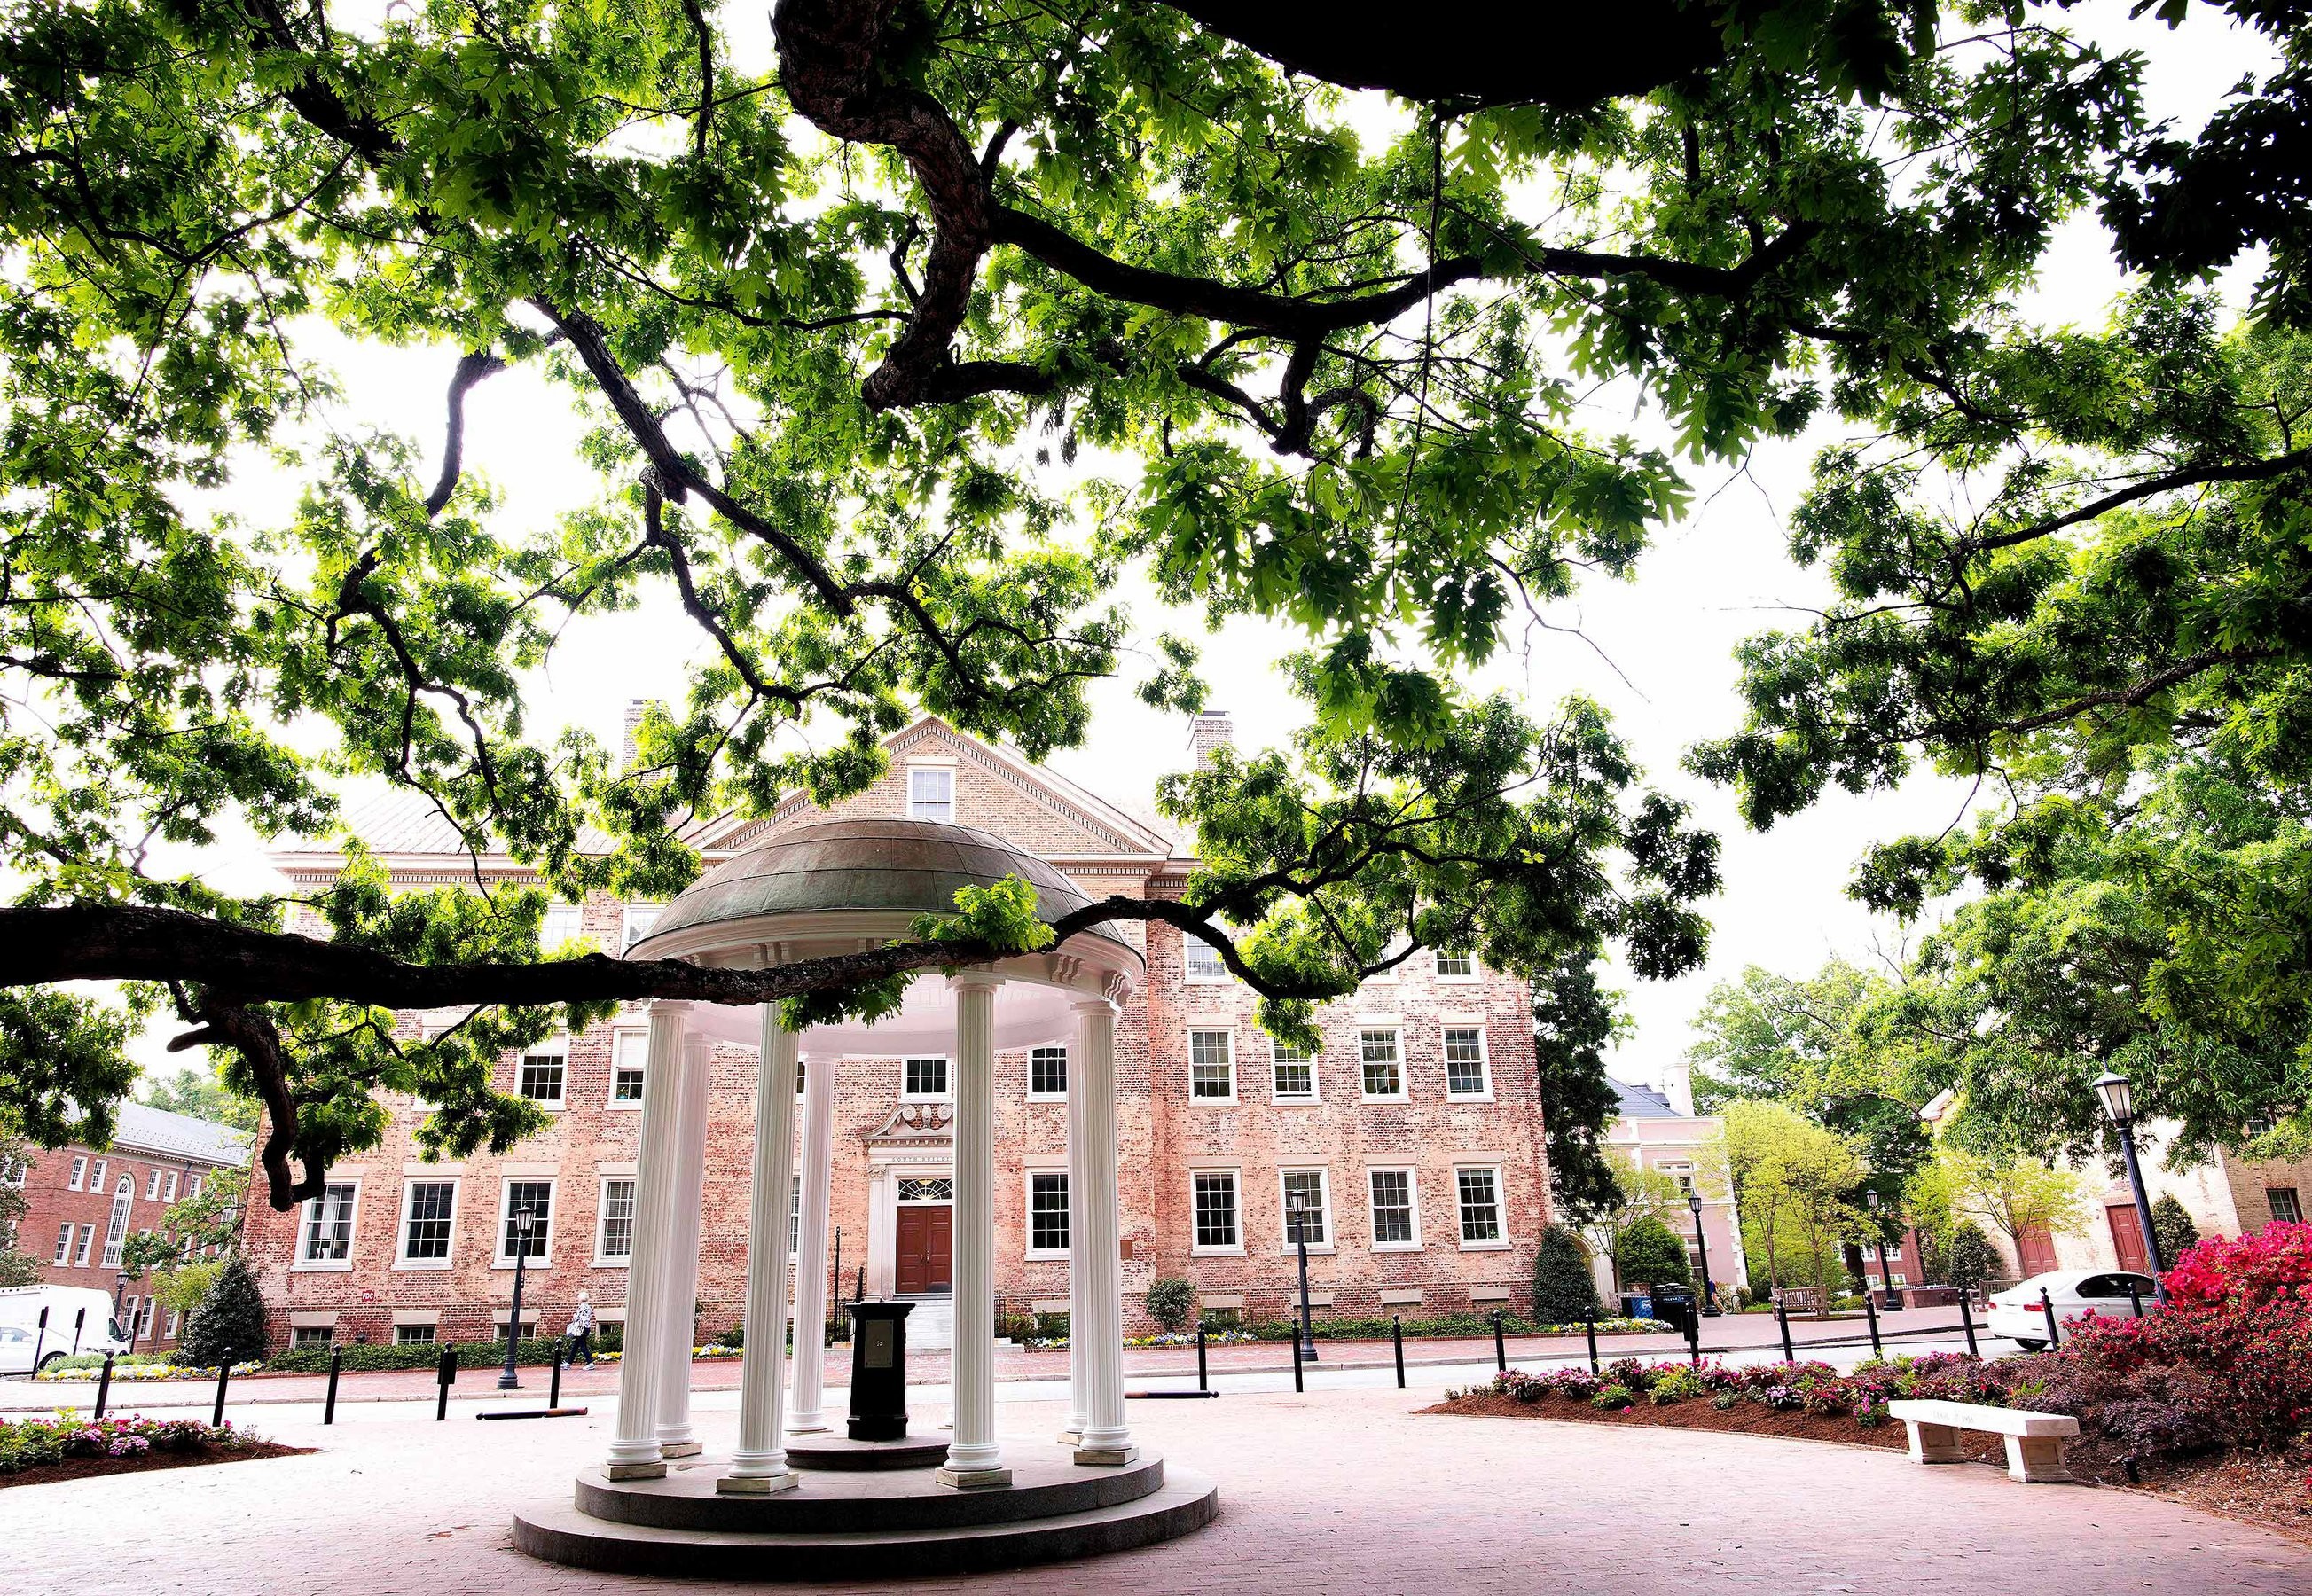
(864, 1523)
(844, 1455)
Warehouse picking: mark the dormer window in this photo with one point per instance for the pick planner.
(930, 793)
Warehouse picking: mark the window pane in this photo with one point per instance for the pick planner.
(639, 920)
(426, 1233)
(1311, 1225)
(1216, 1210)
(926, 1078)
(563, 923)
(939, 1190)
(1481, 1205)
(930, 794)
(329, 1224)
(1381, 1075)
(1047, 1071)
(309, 1335)
(64, 1242)
(1212, 1069)
(1392, 1207)
(1456, 963)
(413, 1334)
(629, 1052)
(538, 1197)
(1047, 1210)
(541, 1077)
(2285, 1207)
(1465, 1063)
(617, 1218)
(1203, 960)
(1294, 1071)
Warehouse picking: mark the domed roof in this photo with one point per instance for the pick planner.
(912, 865)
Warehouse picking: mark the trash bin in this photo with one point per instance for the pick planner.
(1637, 1305)
(1674, 1305)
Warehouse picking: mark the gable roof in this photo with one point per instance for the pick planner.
(150, 1129)
(1633, 1102)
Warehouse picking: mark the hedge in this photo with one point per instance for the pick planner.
(414, 1355)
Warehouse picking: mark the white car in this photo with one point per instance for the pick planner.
(79, 1320)
(2018, 1314)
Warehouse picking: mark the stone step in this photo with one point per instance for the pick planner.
(556, 1530)
(932, 1326)
(1046, 1483)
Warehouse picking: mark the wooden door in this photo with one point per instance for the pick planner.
(2127, 1237)
(925, 1262)
(2034, 1249)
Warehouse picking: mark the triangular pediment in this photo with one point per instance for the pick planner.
(913, 1124)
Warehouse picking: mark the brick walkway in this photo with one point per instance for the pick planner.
(1733, 1332)
(1334, 1492)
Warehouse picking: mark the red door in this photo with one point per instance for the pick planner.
(926, 1248)
(2035, 1250)
(2127, 1237)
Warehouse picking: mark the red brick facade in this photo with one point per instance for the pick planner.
(1424, 1140)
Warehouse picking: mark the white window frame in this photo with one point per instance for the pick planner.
(1476, 972)
(168, 1192)
(573, 914)
(96, 1175)
(2295, 1200)
(402, 1337)
(1396, 1035)
(116, 1225)
(1501, 1208)
(307, 1211)
(553, 1047)
(1227, 1033)
(1295, 1099)
(1036, 1094)
(1484, 1091)
(603, 1257)
(87, 1242)
(1413, 1203)
(947, 1074)
(500, 1258)
(192, 1188)
(1198, 1249)
(153, 1185)
(79, 1173)
(1028, 1194)
(63, 1244)
(917, 769)
(1286, 1242)
(628, 933)
(1218, 976)
(401, 1259)
(620, 1040)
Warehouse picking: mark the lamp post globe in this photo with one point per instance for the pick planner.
(1709, 1307)
(522, 1219)
(1296, 1212)
(2117, 1094)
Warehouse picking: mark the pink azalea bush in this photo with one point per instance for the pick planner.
(31, 1442)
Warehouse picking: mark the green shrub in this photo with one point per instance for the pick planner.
(1973, 1263)
(1679, 1385)
(1614, 1397)
(736, 1336)
(228, 1326)
(1563, 1287)
(367, 1355)
(1051, 1327)
(610, 1338)
(1015, 1327)
(1650, 1253)
(1170, 1301)
(2172, 1227)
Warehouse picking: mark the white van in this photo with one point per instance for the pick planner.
(76, 1315)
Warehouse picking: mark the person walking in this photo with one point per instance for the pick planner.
(581, 1332)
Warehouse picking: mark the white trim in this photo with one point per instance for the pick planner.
(401, 1259)
(1403, 1093)
(1477, 969)
(627, 934)
(1028, 1208)
(1501, 1208)
(553, 1047)
(947, 1073)
(1188, 975)
(1236, 1189)
(307, 1211)
(933, 765)
(1067, 1072)
(79, 1173)
(500, 1258)
(1235, 1089)
(1315, 1094)
(1484, 1093)
(1284, 1244)
(1412, 1174)
(608, 1260)
(611, 1101)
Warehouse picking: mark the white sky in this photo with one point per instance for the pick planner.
(1708, 581)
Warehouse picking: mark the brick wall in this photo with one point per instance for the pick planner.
(56, 1200)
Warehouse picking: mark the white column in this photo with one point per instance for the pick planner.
(1098, 1301)
(1073, 1435)
(759, 1465)
(811, 1246)
(679, 1318)
(974, 1457)
(634, 1450)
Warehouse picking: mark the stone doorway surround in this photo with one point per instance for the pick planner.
(916, 1143)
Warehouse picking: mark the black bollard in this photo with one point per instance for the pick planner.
(1589, 1327)
(1782, 1318)
(554, 1387)
(2135, 1296)
(1870, 1313)
(1966, 1322)
(40, 1340)
(1500, 1348)
(1296, 1361)
(224, 1373)
(329, 1404)
(1200, 1353)
(1396, 1334)
(446, 1374)
(2048, 1307)
(104, 1385)
(1694, 1337)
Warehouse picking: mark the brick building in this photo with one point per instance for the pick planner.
(1415, 1129)
(83, 1204)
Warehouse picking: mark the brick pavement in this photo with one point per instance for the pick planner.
(1339, 1491)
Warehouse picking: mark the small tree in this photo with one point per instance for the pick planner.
(1564, 1290)
(2171, 1228)
(1170, 1301)
(1973, 1263)
(1651, 1252)
(228, 1326)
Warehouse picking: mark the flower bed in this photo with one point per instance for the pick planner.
(69, 1446)
(84, 1374)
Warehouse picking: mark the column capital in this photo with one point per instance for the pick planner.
(974, 980)
(1084, 1005)
(671, 1006)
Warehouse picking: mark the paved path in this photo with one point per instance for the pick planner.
(1740, 1336)
(1336, 1491)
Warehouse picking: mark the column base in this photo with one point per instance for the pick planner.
(1106, 1457)
(680, 1449)
(813, 1428)
(635, 1471)
(1071, 1437)
(756, 1485)
(973, 1479)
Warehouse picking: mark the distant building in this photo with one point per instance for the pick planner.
(1657, 1128)
(84, 1203)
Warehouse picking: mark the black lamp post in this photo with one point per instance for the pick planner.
(522, 1220)
(1893, 1302)
(2119, 1095)
(1296, 1210)
(1702, 1246)
(120, 1284)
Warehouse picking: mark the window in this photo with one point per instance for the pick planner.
(1314, 1223)
(1202, 960)
(564, 922)
(1394, 1222)
(1481, 1205)
(328, 1233)
(1212, 1067)
(168, 1192)
(64, 1242)
(96, 1176)
(942, 1189)
(79, 1173)
(310, 1335)
(794, 1216)
(413, 1334)
(427, 1209)
(1457, 966)
(803, 1074)
(1384, 1075)
(629, 1052)
(505, 1328)
(924, 1078)
(2285, 1209)
(540, 1075)
(1292, 1073)
(614, 1242)
(538, 1197)
(638, 921)
(1215, 1210)
(87, 1240)
(153, 1186)
(930, 793)
(176, 1322)
(145, 1317)
(116, 1229)
(1047, 1210)
(1047, 1072)
(192, 1188)
(1464, 1063)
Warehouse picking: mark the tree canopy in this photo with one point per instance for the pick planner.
(835, 302)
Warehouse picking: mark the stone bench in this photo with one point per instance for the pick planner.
(2036, 1441)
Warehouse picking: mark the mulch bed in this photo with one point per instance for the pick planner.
(2268, 1491)
(144, 1463)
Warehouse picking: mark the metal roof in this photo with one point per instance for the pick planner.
(157, 1131)
(1641, 1103)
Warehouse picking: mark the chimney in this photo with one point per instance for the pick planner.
(1678, 1086)
(1208, 733)
(636, 708)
